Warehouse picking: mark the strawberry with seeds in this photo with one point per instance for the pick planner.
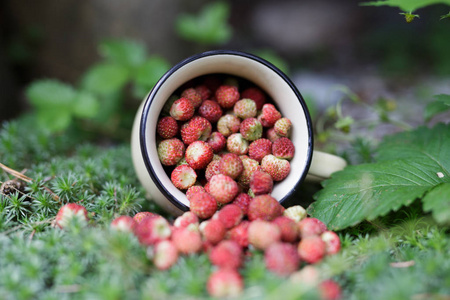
(210, 110)
(251, 129)
(245, 108)
(261, 183)
(182, 109)
(71, 212)
(259, 148)
(227, 255)
(199, 154)
(225, 283)
(124, 224)
(196, 129)
(256, 95)
(283, 127)
(217, 141)
(237, 144)
(264, 207)
(170, 151)
(228, 124)
(227, 96)
(183, 177)
(192, 95)
(283, 148)
(203, 205)
(167, 127)
(165, 255)
(223, 188)
(278, 168)
(281, 258)
(231, 165)
(269, 115)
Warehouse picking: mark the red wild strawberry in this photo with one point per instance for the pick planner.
(203, 205)
(227, 95)
(332, 242)
(231, 165)
(196, 129)
(237, 144)
(217, 141)
(261, 183)
(170, 151)
(264, 207)
(269, 115)
(230, 215)
(142, 215)
(153, 230)
(256, 95)
(283, 127)
(228, 124)
(281, 258)
(210, 110)
(245, 108)
(167, 127)
(182, 109)
(192, 95)
(204, 91)
(239, 233)
(242, 201)
(124, 224)
(288, 228)
(194, 189)
(330, 290)
(271, 135)
(212, 169)
(213, 231)
(187, 239)
(283, 148)
(223, 188)
(199, 154)
(311, 227)
(225, 283)
(165, 255)
(262, 234)
(250, 166)
(69, 213)
(186, 219)
(278, 168)
(311, 249)
(183, 177)
(227, 255)
(251, 129)
(259, 148)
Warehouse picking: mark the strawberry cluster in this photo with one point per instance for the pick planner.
(216, 134)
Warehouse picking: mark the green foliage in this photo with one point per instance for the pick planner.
(409, 165)
(408, 6)
(209, 27)
(440, 105)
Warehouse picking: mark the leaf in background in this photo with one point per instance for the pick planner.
(441, 104)
(124, 52)
(85, 105)
(274, 59)
(147, 74)
(406, 5)
(54, 119)
(105, 78)
(438, 202)
(47, 93)
(409, 165)
(208, 27)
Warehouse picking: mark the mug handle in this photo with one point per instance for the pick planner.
(323, 165)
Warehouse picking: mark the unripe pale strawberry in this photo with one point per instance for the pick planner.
(167, 127)
(217, 141)
(170, 151)
(283, 127)
(332, 242)
(182, 109)
(259, 148)
(227, 96)
(251, 129)
(237, 144)
(153, 230)
(245, 108)
(264, 207)
(210, 110)
(262, 234)
(223, 188)
(261, 183)
(256, 95)
(196, 129)
(228, 124)
(192, 95)
(296, 213)
(183, 177)
(231, 165)
(269, 115)
(203, 205)
(281, 258)
(278, 168)
(225, 283)
(250, 166)
(199, 154)
(69, 213)
(165, 255)
(283, 148)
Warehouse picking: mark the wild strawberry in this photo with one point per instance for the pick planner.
(196, 129)
(223, 188)
(283, 148)
(210, 110)
(186, 219)
(203, 205)
(227, 95)
(213, 231)
(71, 212)
(225, 283)
(192, 95)
(288, 228)
(250, 166)
(245, 108)
(237, 144)
(262, 234)
(165, 255)
(142, 215)
(269, 115)
(183, 177)
(330, 290)
(226, 255)
(271, 135)
(332, 242)
(281, 258)
(194, 189)
(278, 168)
(261, 183)
(259, 148)
(251, 129)
(283, 127)
(256, 95)
(239, 233)
(311, 249)
(152, 230)
(264, 207)
(231, 165)
(167, 127)
(182, 109)
(242, 201)
(212, 169)
(187, 239)
(296, 213)
(170, 151)
(124, 224)
(217, 141)
(228, 124)
(204, 91)
(308, 276)
(199, 154)
(230, 215)
(311, 227)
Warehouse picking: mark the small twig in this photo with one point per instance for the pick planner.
(15, 173)
(403, 264)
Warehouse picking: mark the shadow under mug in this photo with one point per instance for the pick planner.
(309, 164)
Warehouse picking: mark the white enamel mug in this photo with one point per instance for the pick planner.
(306, 164)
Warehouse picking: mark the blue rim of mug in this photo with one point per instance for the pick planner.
(161, 81)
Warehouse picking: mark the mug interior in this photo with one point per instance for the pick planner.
(256, 70)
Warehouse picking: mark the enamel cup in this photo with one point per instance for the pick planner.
(306, 164)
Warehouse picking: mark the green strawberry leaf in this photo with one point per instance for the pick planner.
(105, 78)
(49, 93)
(149, 73)
(123, 52)
(438, 202)
(54, 119)
(406, 5)
(409, 165)
(440, 105)
(85, 105)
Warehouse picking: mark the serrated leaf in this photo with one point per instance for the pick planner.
(409, 165)
(85, 105)
(406, 5)
(438, 202)
(123, 52)
(440, 105)
(54, 120)
(105, 78)
(149, 73)
(47, 93)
